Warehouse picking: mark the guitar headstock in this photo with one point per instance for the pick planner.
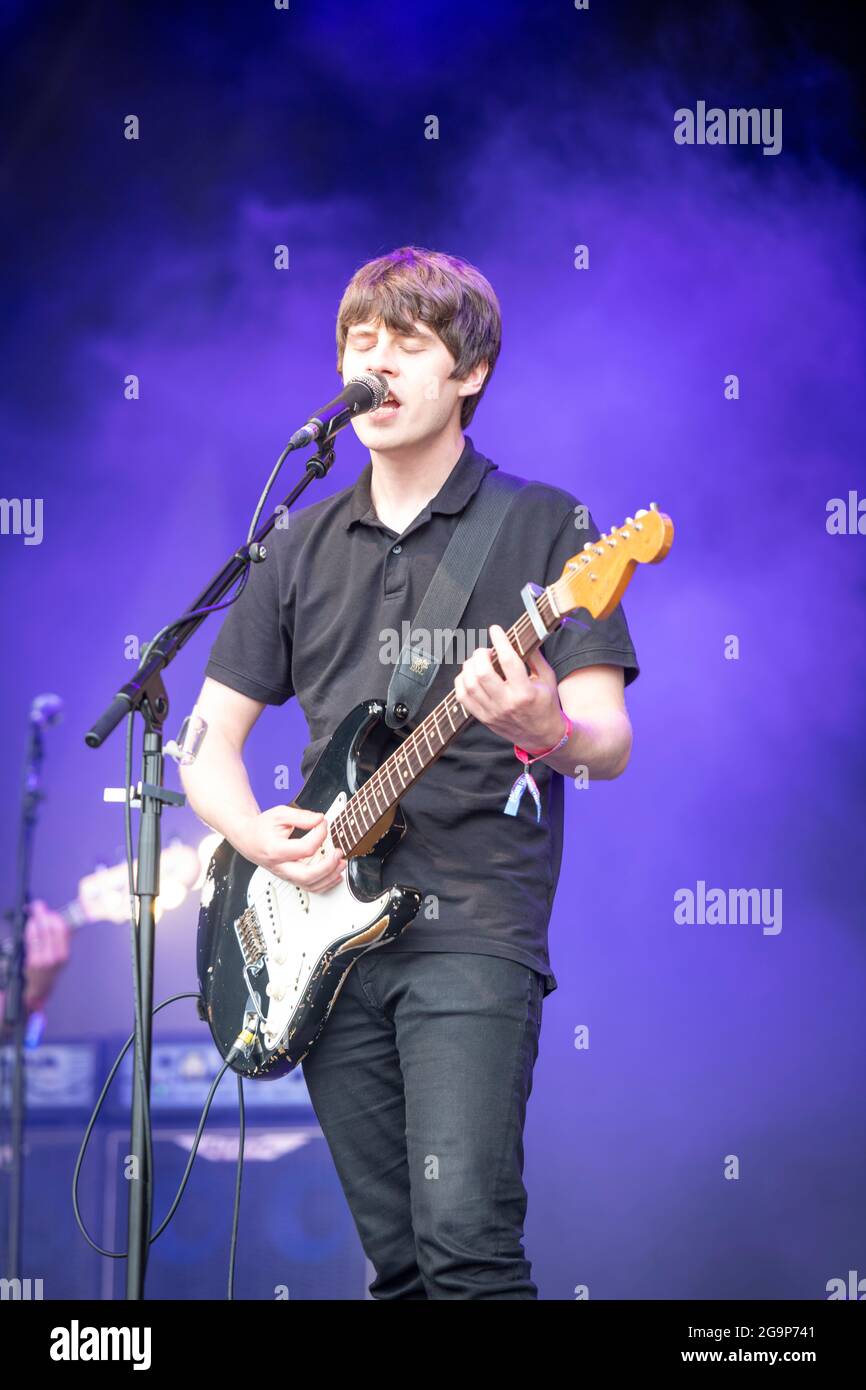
(103, 896)
(597, 576)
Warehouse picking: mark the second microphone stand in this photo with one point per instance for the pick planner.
(147, 693)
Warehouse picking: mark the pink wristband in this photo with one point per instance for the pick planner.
(526, 779)
(543, 752)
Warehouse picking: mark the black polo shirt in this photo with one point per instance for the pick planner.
(313, 621)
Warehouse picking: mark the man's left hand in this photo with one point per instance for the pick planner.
(522, 707)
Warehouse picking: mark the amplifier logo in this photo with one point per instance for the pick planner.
(75, 1343)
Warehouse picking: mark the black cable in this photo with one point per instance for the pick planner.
(195, 613)
(264, 497)
(242, 1126)
(122, 1254)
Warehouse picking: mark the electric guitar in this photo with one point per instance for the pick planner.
(103, 896)
(273, 957)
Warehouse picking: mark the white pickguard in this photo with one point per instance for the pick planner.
(297, 928)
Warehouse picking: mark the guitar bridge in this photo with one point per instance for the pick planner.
(250, 939)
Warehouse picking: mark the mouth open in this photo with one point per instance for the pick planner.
(389, 407)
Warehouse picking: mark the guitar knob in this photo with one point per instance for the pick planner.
(274, 992)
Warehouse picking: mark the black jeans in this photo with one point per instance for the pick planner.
(420, 1081)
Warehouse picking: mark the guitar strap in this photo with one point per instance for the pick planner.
(445, 601)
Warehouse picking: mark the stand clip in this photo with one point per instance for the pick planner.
(147, 789)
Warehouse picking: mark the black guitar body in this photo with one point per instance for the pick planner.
(265, 1012)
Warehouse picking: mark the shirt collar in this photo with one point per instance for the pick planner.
(458, 488)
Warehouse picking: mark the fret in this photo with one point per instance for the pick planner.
(386, 767)
(434, 717)
(375, 795)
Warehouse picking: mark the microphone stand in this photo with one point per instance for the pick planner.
(147, 693)
(15, 1012)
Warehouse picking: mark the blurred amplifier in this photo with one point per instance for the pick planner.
(182, 1072)
(60, 1077)
(52, 1247)
(296, 1236)
(66, 1077)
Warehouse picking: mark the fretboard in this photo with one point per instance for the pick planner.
(420, 750)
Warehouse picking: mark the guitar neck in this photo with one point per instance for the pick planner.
(73, 914)
(372, 801)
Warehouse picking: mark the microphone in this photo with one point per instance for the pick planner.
(362, 393)
(45, 710)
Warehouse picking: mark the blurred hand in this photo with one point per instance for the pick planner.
(46, 948)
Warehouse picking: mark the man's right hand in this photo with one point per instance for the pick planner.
(311, 861)
(218, 789)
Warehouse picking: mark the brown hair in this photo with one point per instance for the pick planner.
(447, 294)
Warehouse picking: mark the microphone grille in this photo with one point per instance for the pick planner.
(46, 709)
(377, 384)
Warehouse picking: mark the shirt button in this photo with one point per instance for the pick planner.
(396, 549)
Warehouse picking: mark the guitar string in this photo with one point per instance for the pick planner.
(366, 797)
(362, 797)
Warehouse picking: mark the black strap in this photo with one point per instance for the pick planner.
(445, 601)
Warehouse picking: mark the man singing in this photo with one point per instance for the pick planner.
(421, 1076)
